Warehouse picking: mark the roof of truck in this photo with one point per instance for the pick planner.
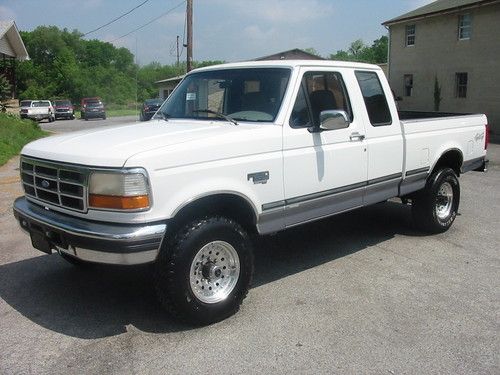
(290, 64)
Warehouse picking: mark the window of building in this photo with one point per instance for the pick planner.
(408, 81)
(410, 35)
(375, 100)
(464, 26)
(461, 83)
(319, 91)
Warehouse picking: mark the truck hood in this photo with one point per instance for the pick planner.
(112, 146)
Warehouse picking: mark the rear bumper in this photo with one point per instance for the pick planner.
(39, 117)
(90, 241)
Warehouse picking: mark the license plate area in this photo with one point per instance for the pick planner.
(43, 238)
(40, 242)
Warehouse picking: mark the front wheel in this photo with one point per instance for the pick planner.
(435, 208)
(203, 274)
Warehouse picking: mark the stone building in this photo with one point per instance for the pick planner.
(457, 43)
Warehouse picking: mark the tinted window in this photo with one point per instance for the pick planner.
(25, 103)
(40, 104)
(62, 102)
(375, 100)
(320, 91)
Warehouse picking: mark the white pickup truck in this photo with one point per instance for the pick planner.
(40, 110)
(240, 150)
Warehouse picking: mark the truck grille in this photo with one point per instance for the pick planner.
(58, 184)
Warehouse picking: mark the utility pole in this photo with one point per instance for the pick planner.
(177, 50)
(189, 25)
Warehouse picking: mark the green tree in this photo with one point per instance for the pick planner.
(358, 51)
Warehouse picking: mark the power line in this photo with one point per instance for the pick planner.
(150, 21)
(117, 18)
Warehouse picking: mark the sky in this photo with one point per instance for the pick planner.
(229, 30)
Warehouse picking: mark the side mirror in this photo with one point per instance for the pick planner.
(333, 120)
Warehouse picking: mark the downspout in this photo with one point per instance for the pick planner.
(388, 52)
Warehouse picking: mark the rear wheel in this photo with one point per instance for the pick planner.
(203, 274)
(435, 208)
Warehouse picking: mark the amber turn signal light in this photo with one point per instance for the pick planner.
(118, 203)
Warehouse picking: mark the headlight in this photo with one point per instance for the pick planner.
(119, 191)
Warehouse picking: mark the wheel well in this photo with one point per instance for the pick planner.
(228, 205)
(451, 159)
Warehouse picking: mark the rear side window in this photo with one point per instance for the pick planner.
(375, 100)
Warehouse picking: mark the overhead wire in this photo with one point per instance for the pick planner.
(150, 21)
(116, 19)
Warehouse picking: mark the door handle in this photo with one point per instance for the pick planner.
(356, 137)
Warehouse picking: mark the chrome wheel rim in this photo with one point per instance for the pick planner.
(214, 272)
(444, 201)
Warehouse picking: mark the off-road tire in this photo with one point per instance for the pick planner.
(172, 270)
(424, 204)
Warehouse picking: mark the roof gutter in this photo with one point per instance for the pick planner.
(440, 12)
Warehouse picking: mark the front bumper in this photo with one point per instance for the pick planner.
(90, 241)
(92, 114)
(68, 114)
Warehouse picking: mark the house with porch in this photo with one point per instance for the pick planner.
(12, 49)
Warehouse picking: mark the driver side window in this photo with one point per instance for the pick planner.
(319, 91)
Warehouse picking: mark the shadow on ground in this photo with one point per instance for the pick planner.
(100, 301)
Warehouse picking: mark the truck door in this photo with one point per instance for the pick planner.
(384, 141)
(324, 171)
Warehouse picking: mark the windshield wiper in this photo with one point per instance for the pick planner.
(218, 114)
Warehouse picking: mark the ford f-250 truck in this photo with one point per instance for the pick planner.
(239, 150)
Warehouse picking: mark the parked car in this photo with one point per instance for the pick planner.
(246, 149)
(92, 108)
(41, 110)
(149, 108)
(64, 109)
(23, 108)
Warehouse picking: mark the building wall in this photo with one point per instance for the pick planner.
(439, 53)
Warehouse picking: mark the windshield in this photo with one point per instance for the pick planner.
(93, 104)
(62, 103)
(25, 103)
(250, 94)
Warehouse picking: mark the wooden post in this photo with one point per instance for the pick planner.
(189, 25)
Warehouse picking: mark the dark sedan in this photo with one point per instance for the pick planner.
(149, 108)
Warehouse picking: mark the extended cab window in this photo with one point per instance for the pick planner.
(319, 91)
(375, 100)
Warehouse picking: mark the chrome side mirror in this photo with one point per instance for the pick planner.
(333, 120)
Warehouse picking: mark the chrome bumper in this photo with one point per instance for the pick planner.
(90, 241)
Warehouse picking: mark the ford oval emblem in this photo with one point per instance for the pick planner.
(45, 184)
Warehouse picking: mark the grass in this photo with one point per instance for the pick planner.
(121, 112)
(14, 134)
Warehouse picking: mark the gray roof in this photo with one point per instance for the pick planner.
(11, 42)
(437, 7)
